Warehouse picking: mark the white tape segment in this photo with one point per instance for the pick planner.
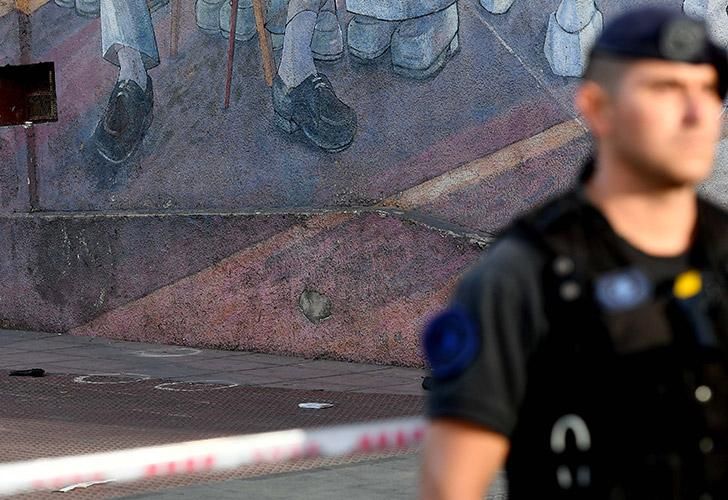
(211, 455)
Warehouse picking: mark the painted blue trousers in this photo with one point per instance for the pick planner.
(128, 23)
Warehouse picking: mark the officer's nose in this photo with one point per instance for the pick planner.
(700, 105)
(693, 108)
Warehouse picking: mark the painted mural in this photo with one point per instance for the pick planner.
(326, 210)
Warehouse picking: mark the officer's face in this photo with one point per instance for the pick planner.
(663, 118)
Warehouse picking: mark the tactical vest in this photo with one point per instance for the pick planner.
(609, 411)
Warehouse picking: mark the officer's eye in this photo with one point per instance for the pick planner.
(711, 88)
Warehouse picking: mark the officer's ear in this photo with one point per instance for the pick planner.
(594, 103)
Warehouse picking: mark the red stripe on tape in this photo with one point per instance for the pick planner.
(401, 439)
(383, 441)
(365, 444)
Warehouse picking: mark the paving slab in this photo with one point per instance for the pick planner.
(158, 396)
(68, 354)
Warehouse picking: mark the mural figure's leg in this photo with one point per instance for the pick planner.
(496, 6)
(127, 38)
(715, 13)
(328, 40)
(297, 59)
(275, 23)
(369, 37)
(572, 30)
(422, 46)
(302, 97)
(423, 34)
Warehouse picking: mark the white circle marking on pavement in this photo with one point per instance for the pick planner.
(130, 378)
(172, 352)
(195, 386)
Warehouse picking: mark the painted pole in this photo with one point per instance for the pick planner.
(231, 51)
(266, 51)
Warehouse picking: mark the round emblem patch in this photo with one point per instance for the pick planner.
(452, 342)
(623, 290)
(683, 40)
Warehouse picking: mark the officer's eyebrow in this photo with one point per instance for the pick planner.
(672, 81)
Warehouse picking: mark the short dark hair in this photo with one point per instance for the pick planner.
(606, 71)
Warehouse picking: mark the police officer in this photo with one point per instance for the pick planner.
(588, 351)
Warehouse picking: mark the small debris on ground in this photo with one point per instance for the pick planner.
(33, 372)
(82, 485)
(315, 406)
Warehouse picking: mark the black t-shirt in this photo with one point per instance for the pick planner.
(503, 294)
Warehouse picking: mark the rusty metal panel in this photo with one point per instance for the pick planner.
(28, 94)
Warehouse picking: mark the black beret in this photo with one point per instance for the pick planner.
(662, 33)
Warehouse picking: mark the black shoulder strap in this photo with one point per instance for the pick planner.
(565, 227)
(712, 247)
(561, 231)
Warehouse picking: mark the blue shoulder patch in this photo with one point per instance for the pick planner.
(452, 342)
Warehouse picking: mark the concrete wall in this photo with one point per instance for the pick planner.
(223, 230)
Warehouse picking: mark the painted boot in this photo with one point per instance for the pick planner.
(126, 119)
(207, 15)
(715, 13)
(313, 107)
(572, 30)
(422, 46)
(368, 37)
(496, 6)
(327, 43)
(245, 27)
(88, 8)
(396, 10)
(695, 8)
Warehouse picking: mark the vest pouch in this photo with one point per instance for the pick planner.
(653, 478)
(562, 431)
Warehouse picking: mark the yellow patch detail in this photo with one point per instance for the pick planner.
(687, 285)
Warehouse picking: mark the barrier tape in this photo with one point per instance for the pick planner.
(211, 455)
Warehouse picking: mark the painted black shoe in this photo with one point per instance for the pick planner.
(313, 107)
(126, 119)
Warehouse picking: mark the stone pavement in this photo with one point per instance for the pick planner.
(390, 478)
(67, 354)
(208, 393)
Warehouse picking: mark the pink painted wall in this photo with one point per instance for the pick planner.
(211, 232)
